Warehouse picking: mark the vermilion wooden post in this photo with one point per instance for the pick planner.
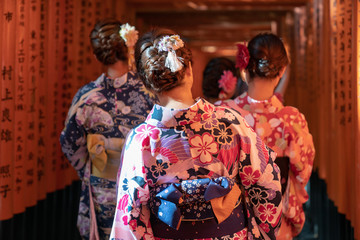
(33, 104)
(70, 79)
(21, 95)
(52, 138)
(356, 113)
(7, 101)
(45, 57)
(42, 100)
(349, 149)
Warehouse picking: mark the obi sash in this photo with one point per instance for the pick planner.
(283, 164)
(104, 154)
(212, 205)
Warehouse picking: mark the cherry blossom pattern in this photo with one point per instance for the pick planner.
(258, 196)
(224, 134)
(267, 212)
(265, 227)
(145, 133)
(203, 147)
(249, 177)
(159, 169)
(208, 117)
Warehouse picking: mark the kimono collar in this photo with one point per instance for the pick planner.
(107, 82)
(271, 105)
(169, 117)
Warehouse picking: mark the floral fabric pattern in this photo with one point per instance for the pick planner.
(203, 141)
(284, 130)
(108, 108)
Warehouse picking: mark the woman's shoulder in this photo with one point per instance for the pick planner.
(137, 89)
(232, 115)
(221, 105)
(225, 103)
(232, 106)
(293, 119)
(290, 112)
(133, 75)
(86, 89)
(138, 138)
(132, 79)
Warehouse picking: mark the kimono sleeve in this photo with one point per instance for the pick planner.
(260, 177)
(132, 214)
(301, 152)
(73, 140)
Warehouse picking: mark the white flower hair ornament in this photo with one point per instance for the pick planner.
(170, 44)
(130, 36)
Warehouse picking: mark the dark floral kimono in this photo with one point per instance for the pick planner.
(101, 115)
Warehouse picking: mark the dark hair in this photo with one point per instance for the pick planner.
(267, 56)
(212, 74)
(108, 46)
(150, 62)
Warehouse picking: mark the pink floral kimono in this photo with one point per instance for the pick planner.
(284, 130)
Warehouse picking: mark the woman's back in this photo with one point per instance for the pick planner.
(101, 114)
(202, 142)
(192, 170)
(283, 129)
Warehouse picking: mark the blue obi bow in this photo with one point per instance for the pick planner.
(196, 199)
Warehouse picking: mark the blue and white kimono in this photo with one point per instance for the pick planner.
(101, 115)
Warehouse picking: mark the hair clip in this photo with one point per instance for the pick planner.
(266, 67)
(263, 63)
(170, 44)
(130, 36)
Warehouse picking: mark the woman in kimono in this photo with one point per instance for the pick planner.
(192, 170)
(101, 115)
(283, 129)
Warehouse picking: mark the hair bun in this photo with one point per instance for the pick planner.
(159, 77)
(151, 60)
(106, 42)
(267, 56)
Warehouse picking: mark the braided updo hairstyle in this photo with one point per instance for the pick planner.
(108, 46)
(267, 56)
(150, 62)
(212, 74)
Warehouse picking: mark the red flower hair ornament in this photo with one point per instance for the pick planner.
(227, 83)
(242, 56)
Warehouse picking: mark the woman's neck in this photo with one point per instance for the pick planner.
(261, 89)
(117, 69)
(177, 98)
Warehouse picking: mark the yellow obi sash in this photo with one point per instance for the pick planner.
(104, 154)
